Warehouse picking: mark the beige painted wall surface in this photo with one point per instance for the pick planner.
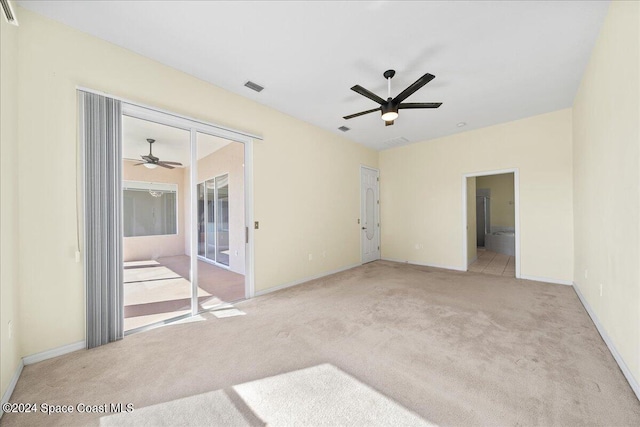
(152, 247)
(472, 238)
(306, 180)
(229, 160)
(9, 278)
(502, 198)
(421, 193)
(606, 121)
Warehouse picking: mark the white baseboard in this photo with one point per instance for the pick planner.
(54, 352)
(445, 267)
(607, 340)
(12, 385)
(306, 279)
(547, 280)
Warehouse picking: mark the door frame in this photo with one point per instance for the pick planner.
(516, 202)
(204, 258)
(361, 219)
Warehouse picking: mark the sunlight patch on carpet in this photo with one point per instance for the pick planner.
(322, 395)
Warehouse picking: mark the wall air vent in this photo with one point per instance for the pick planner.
(251, 85)
(344, 128)
(394, 142)
(8, 13)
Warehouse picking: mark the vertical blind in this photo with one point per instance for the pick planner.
(100, 134)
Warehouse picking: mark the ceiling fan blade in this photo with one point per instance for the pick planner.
(389, 123)
(164, 165)
(360, 113)
(172, 163)
(364, 92)
(420, 105)
(414, 87)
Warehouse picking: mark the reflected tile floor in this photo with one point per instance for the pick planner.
(494, 263)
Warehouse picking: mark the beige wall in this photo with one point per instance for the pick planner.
(502, 198)
(606, 121)
(298, 170)
(153, 247)
(421, 193)
(229, 160)
(472, 238)
(9, 223)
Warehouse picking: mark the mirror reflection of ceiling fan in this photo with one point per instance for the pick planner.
(390, 108)
(150, 161)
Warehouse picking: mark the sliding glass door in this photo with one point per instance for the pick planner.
(213, 216)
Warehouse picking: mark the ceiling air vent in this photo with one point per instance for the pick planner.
(344, 128)
(7, 11)
(249, 84)
(394, 142)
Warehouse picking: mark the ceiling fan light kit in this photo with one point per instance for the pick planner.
(390, 107)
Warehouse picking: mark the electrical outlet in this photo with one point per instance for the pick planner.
(77, 256)
(310, 257)
(236, 253)
(256, 225)
(10, 327)
(600, 289)
(586, 273)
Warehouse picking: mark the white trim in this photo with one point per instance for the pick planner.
(54, 352)
(516, 202)
(249, 284)
(146, 185)
(193, 202)
(134, 108)
(547, 280)
(306, 279)
(423, 264)
(607, 340)
(12, 385)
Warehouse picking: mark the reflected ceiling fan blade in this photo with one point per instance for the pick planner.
(172, 163)
(389, 123)
(138, 164)
(414, 87)
(372, 96)
(360, 113)
(420, 105)
(164, 165)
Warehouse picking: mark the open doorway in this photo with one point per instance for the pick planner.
(491, 223)
(183, 192)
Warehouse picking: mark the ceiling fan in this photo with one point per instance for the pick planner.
(152, 162)
(390, 107)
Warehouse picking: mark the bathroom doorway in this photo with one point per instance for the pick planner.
(491, 222)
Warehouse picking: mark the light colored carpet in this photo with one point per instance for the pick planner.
(317, 396)
(454, 348)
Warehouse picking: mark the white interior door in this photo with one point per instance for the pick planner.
(369, 216)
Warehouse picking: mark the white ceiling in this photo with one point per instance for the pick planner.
(493, 61)
(172, 144)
